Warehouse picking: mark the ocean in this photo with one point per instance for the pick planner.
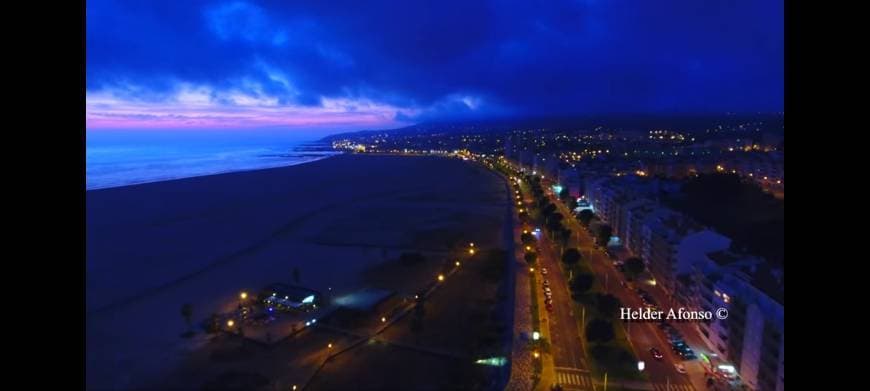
(120, 158)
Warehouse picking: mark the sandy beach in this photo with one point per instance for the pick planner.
(153, 247)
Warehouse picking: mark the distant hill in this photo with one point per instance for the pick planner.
(685, 123)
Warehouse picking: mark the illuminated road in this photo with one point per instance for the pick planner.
(642, 335)
(566, 346)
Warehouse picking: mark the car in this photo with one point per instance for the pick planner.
(544, 271)
(656, 354)
(546, 282)
(547, 289)
(688, 355)
(680, 368)
(549, 307)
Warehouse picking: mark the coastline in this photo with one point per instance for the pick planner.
(105, 169)
(154, 246)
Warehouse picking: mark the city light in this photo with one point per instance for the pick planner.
(457, 263)
(329, 346)
(531, 270)
(230, 323)
(641, 365)
(383, 319)
(536, 336)
(440, 277)
(471, 251)
(528, 248)
(536, 354)
(243, 295)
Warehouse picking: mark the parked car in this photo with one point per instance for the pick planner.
(656, 354)
(549, 307)
(680, 368)
(544, 271)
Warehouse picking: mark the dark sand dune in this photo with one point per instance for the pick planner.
(153, 247)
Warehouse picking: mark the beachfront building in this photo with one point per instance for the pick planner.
(671, 242)
(287, 297)
(751, 338)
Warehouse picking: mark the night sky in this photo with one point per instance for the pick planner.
(379, 64)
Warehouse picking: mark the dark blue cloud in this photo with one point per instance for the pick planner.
(449, 58)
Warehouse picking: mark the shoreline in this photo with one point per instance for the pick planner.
(200, 240)
(224, 172)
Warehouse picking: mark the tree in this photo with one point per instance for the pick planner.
(555, 216)
(296, 276)
(607, 304)
(548, 209)
(527, 238)
(187, 314)
(634, 266)
(572, 203)
(571, 256)
(585, 216)
(604, 234)
(418, 315)
(564, 194)
(564, 236)
(599, 330)
(581, 283)
(530, 258)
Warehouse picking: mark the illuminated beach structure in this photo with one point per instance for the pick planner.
(285, 297)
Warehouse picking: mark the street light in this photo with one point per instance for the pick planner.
(536, 354)
(440, 277)
(457, 263)
(329, 346)
(471, 251)
(243, 295)
(531, 270)
(230, 323)
(383, 319)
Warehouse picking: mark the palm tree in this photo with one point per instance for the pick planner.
(187, 314)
